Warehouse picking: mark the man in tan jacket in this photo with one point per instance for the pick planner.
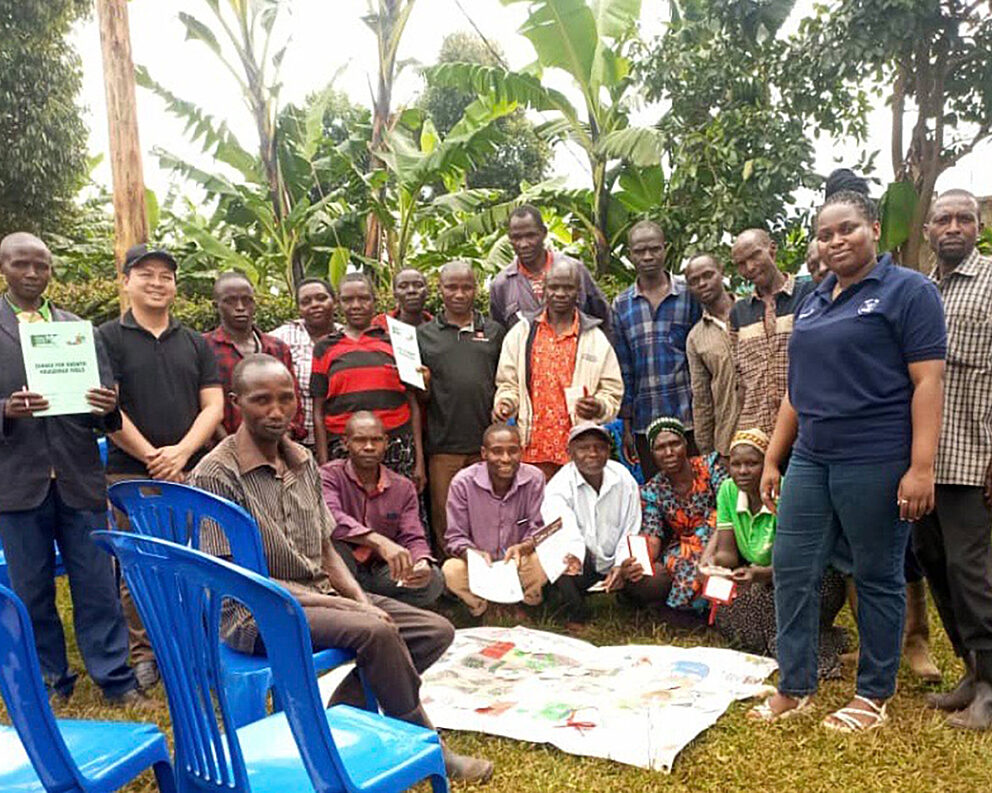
(556, 369)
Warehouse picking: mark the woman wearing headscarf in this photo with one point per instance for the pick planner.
(861, 418)
(742, 543)
(678, 508)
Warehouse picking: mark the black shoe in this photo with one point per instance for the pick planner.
(132, 698)
(958, 698)
(146, 673)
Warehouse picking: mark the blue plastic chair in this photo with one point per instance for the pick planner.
(179, 592)
(39, 753)
(176, 513)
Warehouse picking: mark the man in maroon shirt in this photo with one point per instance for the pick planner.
(236, 338)
(378, 532)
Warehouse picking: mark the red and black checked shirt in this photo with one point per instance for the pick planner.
(228, 356)
(358, 374)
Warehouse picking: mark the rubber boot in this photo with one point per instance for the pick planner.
(959, 697)
(916, 647)
(978, 715)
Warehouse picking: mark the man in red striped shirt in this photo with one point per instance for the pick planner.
(354, 370)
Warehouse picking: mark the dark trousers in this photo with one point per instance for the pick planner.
(375, 578)
(101, 634)
(572, 590)
(648, 468)
(954, 545)
(822, 502)
(391, 656)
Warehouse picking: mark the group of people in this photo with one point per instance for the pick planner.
(817, 441)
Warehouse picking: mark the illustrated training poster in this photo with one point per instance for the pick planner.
(635, 704)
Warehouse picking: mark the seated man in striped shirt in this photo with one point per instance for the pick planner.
(277, 481)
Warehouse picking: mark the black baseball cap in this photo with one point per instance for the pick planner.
(140, 253)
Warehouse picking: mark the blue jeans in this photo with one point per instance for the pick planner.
(821, 504)
(101, 633)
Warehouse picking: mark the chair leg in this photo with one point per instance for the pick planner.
(370, 701)
(439, 783)
(164, 777)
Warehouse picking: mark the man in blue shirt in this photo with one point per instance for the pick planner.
(651, 321)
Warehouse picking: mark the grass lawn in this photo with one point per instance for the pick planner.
(913, 753)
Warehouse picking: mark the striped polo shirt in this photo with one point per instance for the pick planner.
(358, 374)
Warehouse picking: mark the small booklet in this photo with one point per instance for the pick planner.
(554, 543)
(406, 351)
(638, 546)
(60, 363)
(718, 589)
(498, 582)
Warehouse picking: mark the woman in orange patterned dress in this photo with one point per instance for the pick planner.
(678, 516)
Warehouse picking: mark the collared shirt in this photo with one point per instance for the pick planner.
(228, 356)
(379, 320)
(650, 346)
(390, 509)
(966, 430)
(715, 398)
(754, 533)
(604, 519)
(292, 518)
(43, 314)
(478, 518)
(512, 293)
(160, 380)
(358, 374)
(463, 381)
(294, 333)
(552, 364)
(759, 334)
(848, 364)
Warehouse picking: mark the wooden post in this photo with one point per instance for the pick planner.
(130, 219)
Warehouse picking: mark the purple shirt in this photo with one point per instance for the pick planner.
(478, 518)
(391, 510)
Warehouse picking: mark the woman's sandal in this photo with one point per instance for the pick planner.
(763, 711)
(846, 720)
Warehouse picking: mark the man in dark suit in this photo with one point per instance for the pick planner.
(54, 492)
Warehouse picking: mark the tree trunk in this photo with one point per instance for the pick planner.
(130, 218)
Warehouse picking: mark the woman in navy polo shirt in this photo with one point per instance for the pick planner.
(862, 418)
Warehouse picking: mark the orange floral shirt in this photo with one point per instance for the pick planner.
(552, 365)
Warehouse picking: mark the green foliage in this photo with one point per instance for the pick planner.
(520, 156)
(42, 134)
(97, 300)
(733, 139)
(896, 210)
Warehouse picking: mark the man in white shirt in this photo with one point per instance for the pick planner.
(597, 499)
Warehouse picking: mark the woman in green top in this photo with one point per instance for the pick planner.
(742, 543)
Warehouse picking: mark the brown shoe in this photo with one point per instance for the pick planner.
(132, 700)
(464, 768)
(916, 648)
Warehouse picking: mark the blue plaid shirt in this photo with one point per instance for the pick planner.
(651, 351)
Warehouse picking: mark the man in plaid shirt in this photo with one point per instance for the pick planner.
(953, 542)
(651, 321)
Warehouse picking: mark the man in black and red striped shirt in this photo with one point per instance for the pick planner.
(353, 370)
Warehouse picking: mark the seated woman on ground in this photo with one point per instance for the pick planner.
(745, 533)
(679, 516)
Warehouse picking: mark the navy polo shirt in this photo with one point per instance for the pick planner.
(848, 375)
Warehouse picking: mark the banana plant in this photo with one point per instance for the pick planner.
(589, 43)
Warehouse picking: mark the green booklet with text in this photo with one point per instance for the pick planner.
(60, 362)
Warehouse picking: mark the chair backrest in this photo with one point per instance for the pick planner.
(178, 592)
(24, 693)
(174, 512)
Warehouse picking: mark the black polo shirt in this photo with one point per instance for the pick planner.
(159, 381)
(463, 381)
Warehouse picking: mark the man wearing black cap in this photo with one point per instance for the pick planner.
(170, 396)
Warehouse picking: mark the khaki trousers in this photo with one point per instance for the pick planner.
(441, 469)
(532, 579)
